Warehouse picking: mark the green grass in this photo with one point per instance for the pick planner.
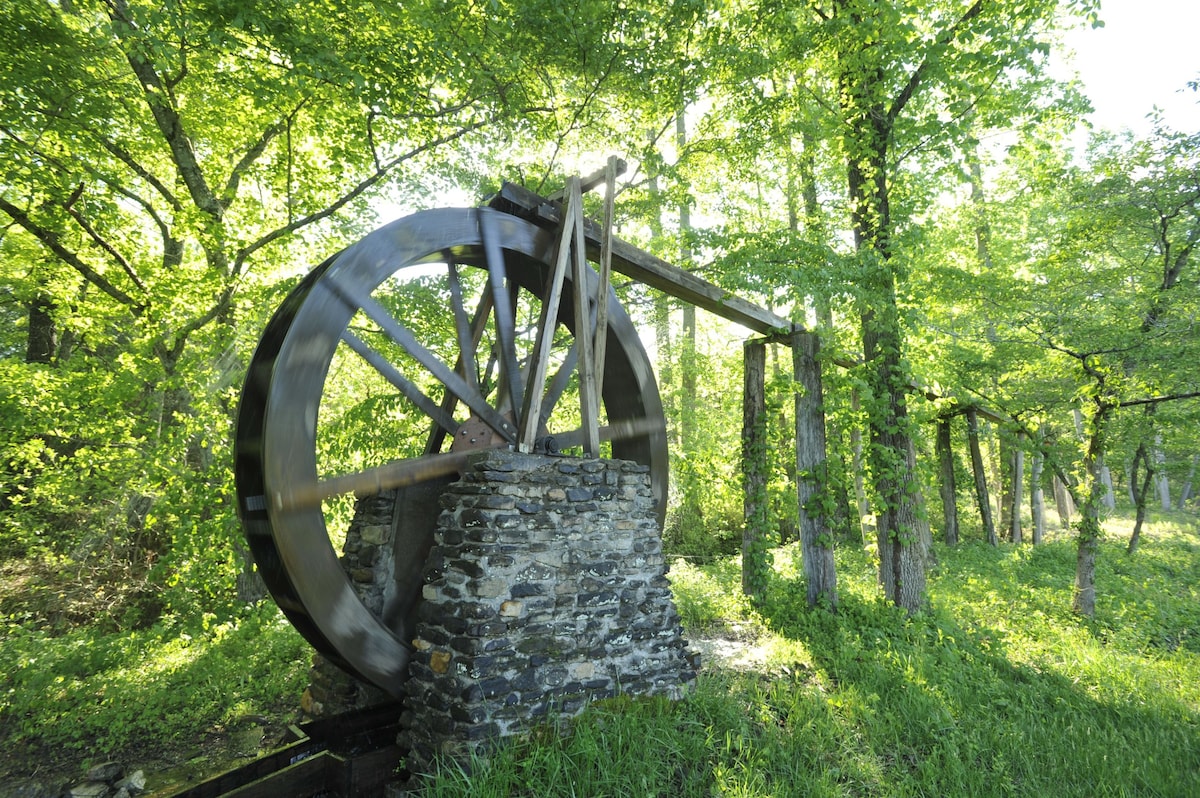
(85, 694)
(996, 689)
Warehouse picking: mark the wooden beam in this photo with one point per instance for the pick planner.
(589, 401)
(640, 265)
(593, 180)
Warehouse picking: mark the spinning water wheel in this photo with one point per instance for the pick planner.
(438, 334)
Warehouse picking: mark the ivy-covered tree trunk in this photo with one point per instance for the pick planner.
(1092, 499)
(901, 555)
(890, 454)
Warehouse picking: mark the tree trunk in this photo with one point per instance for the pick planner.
(1064, 505)
(946, 482)
(981, 488)
(866, 523)
(1088, 539)
(1037, 498)
(1109, 497)
(1185, 492)
(866, 140)
(1088, 543)
(812, 472)
(1140, 492)
(755, 534)
(1160, 468)
(1016, 483)
(1005, 465)
(41, 341)
(902, 563)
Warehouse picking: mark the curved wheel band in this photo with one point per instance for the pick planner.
(281, 479)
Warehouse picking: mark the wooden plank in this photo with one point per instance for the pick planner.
(644, 267)
(367, 774)
(535, 390)
(600, 347)
(594, 179)
(263, 767)
(589, 403)
(304, 778)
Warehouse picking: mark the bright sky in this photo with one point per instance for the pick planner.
(1143, 57)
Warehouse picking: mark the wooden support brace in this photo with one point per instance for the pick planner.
(644, 267)
(531, 409)
(589, 404)
(601, 340)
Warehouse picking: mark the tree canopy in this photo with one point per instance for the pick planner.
(898, 176)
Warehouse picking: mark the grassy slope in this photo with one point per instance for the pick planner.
(995, 690)
(142, 696)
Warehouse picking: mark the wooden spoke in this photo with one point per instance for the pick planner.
(469, 332)
(433, 364)
(502, 305)
(406, 387)
(371, 481)
(589, 401)
(531, 412)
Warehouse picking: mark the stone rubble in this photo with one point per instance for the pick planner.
(104, 780)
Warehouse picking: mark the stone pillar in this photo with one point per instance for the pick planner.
(545, 589)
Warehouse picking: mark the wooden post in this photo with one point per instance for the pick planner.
(816, 540)
(531, 411)
(589, 400)
(946, 483)
(600, 347)
(755, 534)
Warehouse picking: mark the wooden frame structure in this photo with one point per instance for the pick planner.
(563, 210)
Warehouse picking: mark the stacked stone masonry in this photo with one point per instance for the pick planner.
(545, 589)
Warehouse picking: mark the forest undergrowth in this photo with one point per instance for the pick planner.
(995, 689)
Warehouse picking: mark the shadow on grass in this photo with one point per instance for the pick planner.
(960, 703)
(146, 696)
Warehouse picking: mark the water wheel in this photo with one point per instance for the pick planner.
(381, 371)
